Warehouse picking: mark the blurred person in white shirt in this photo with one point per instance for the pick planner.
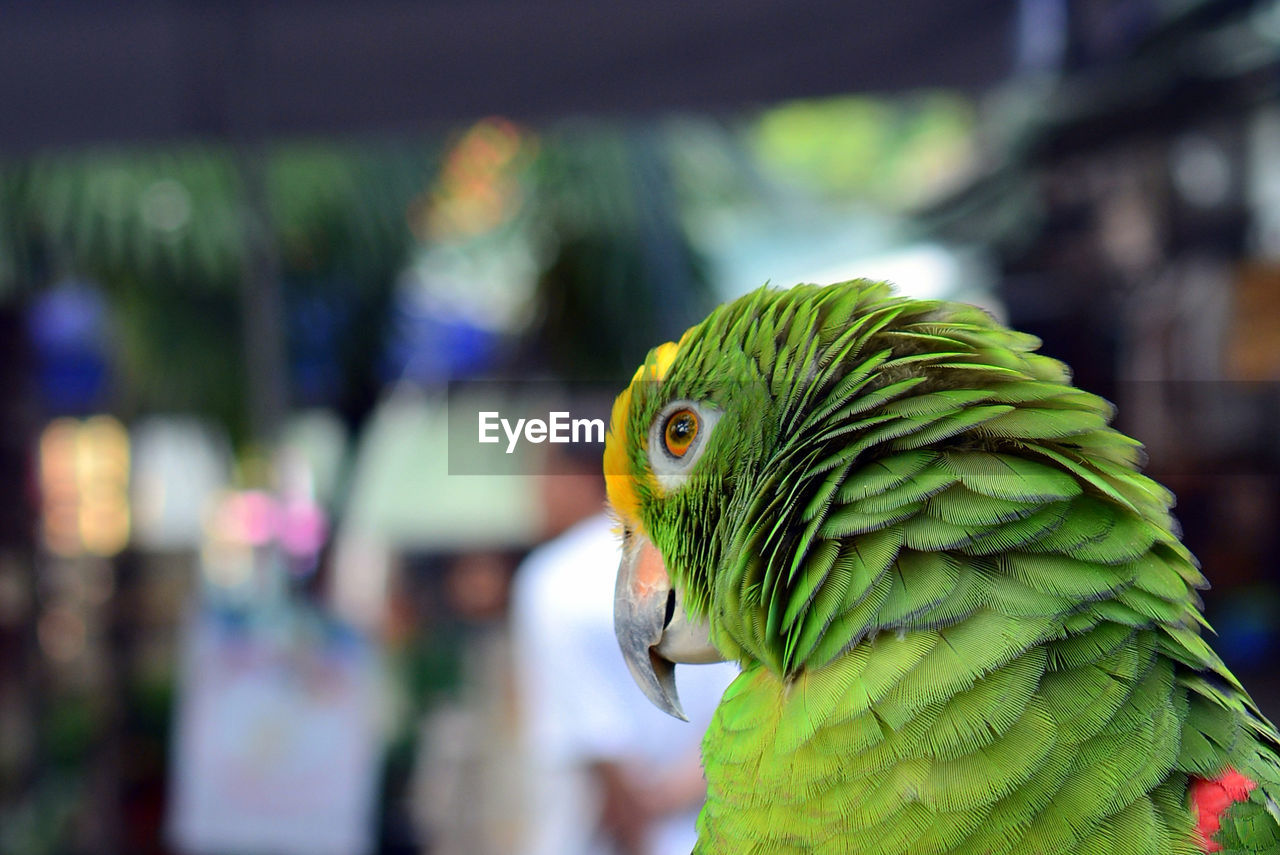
(607, 772)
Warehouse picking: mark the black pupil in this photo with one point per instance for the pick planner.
(681, 428)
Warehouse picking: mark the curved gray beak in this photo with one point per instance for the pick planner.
(653, 629)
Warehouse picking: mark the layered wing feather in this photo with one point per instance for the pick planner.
(976, 628)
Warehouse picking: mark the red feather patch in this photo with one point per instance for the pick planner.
(1210, 798)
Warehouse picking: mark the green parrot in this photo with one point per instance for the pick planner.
(965, 621)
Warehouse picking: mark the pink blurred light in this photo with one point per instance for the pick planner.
(257, 518)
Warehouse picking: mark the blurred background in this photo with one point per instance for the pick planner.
(245, 248)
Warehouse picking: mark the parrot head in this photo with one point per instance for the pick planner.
(737, 458)
(709, 451)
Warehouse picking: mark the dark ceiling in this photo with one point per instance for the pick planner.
(87, 71)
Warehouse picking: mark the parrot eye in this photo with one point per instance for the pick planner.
(680, 431)
(676, 439)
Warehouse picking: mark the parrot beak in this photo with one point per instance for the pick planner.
(653, 629)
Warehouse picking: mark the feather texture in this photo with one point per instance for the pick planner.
(965, 620)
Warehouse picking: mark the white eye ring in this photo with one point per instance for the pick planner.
(669, 468)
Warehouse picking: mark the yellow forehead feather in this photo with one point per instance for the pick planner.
(663, 356)
(617, 476)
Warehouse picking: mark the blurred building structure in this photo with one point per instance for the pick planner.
(1131, 205)
(180, 70)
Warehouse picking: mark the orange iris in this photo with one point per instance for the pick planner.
(680, 431)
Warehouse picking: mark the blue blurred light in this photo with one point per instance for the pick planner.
(68, 329)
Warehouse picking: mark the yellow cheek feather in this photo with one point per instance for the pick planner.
(617, 477)
(619, 481)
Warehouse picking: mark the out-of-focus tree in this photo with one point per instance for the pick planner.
(621, 272)
(166, 233)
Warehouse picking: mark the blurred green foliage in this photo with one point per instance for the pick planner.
(621, 274)
(895, 153)
(167, 232)
(603, 209)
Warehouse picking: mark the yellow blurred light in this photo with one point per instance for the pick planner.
(104, 530)
(57, 466)
(476, 190)
(57, 457)
(84, 480)
(103, 451)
